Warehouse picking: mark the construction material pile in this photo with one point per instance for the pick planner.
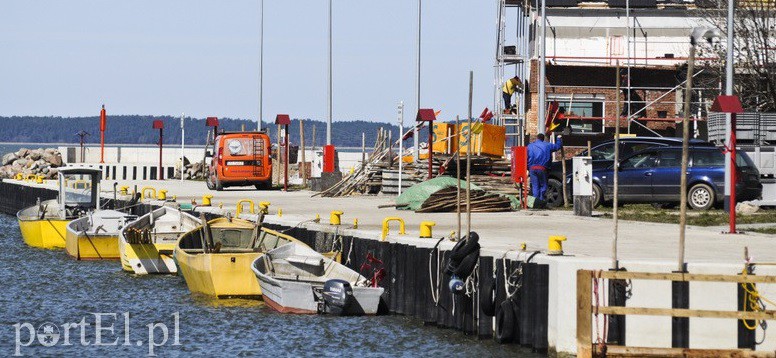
(31, 162)
(191, 170)
(364, 178)
(441, 195)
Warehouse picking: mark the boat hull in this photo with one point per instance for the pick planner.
(144, 259)
(44, 234)
(92, 247)
(221, 275)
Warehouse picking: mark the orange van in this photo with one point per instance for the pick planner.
(239, 159)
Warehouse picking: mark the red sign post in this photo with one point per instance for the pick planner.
(103, 126)
(284, 120)
(427, 115)
(158, 124)
(732, 105)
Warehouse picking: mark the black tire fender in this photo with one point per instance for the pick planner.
(505, 322)
(487, 300)
(465, 247)
(466, 266)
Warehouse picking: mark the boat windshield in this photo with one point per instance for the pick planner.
(78, 190)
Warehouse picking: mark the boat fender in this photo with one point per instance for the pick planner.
(488, 300)
(470, 244)
(466, 266)
(456, 285)
(505, 322)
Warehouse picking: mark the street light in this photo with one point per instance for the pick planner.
(698, 35)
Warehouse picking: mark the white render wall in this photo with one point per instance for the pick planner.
(602, 33)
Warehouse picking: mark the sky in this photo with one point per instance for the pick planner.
(201, 58)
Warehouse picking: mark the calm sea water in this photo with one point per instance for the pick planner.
(46, 286)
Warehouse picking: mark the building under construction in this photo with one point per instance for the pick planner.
(585, 43)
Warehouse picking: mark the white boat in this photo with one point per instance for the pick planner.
(296, 279)
(146, 244)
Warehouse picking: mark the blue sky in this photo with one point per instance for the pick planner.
(65, 58)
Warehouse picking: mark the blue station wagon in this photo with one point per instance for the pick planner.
(652, 176)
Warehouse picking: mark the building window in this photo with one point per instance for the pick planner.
(583, 110)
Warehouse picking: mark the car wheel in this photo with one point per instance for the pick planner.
(554, 194)
(265, 185)
(701, 197)
(219, 186)
(597, 195)
(209, 182)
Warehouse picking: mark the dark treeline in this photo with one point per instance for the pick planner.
(136, 129)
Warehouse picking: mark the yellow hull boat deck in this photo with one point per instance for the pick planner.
(146, 244)
(42, 226)
(217, 261)
(96, 236)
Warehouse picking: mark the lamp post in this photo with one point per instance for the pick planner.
(261, 67)
(698, 34)
(731, 205)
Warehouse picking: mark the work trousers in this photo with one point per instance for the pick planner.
(538, 183)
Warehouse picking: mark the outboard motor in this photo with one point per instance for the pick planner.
(337, 296)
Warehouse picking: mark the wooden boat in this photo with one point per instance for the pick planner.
(296, 279)
(44, 225)
(215, 258)
(96, 235)
(146, 244)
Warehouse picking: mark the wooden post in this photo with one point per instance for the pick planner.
(685, 155)
(458, 174)
(584, 314)
(303, 167)
(589, 149)
(363, 149)
(469, 160)
(563, 178)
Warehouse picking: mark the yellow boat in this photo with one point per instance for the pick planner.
(146, 244)
(44, 225)
(96, 235)
(216, 261)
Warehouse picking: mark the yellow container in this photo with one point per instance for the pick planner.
(445, 139)
(489, 142)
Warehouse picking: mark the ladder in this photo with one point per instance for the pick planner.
(515, 63)
(258, 156)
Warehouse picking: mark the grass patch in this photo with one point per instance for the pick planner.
(698, 218)
(764, 230)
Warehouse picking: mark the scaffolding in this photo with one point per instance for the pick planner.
(513, 57)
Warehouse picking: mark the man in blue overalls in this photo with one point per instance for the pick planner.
(539, 159)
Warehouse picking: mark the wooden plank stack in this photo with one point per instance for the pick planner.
(481, 202)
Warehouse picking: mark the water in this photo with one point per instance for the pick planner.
(48, 286)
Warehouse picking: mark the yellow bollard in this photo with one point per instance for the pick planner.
(280, 212)
(39, 179)
(206, 199)
(162, 195)
(555, 245)
(18, 176)
(335, 218)
(220, 205)
(240, 203)
(124, 190)
(264, 207)
(385, 226)
(355, 223)
(425, 229)
(523, 246)
(147, 189)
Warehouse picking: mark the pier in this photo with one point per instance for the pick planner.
(416, 285)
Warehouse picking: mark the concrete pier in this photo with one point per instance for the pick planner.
(550, 320)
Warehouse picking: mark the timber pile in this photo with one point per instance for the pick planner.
(364, 178)
(481, 202)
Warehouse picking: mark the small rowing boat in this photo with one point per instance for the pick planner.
(215, 258)
(296, 279)
(146, 244)
(96, 235)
